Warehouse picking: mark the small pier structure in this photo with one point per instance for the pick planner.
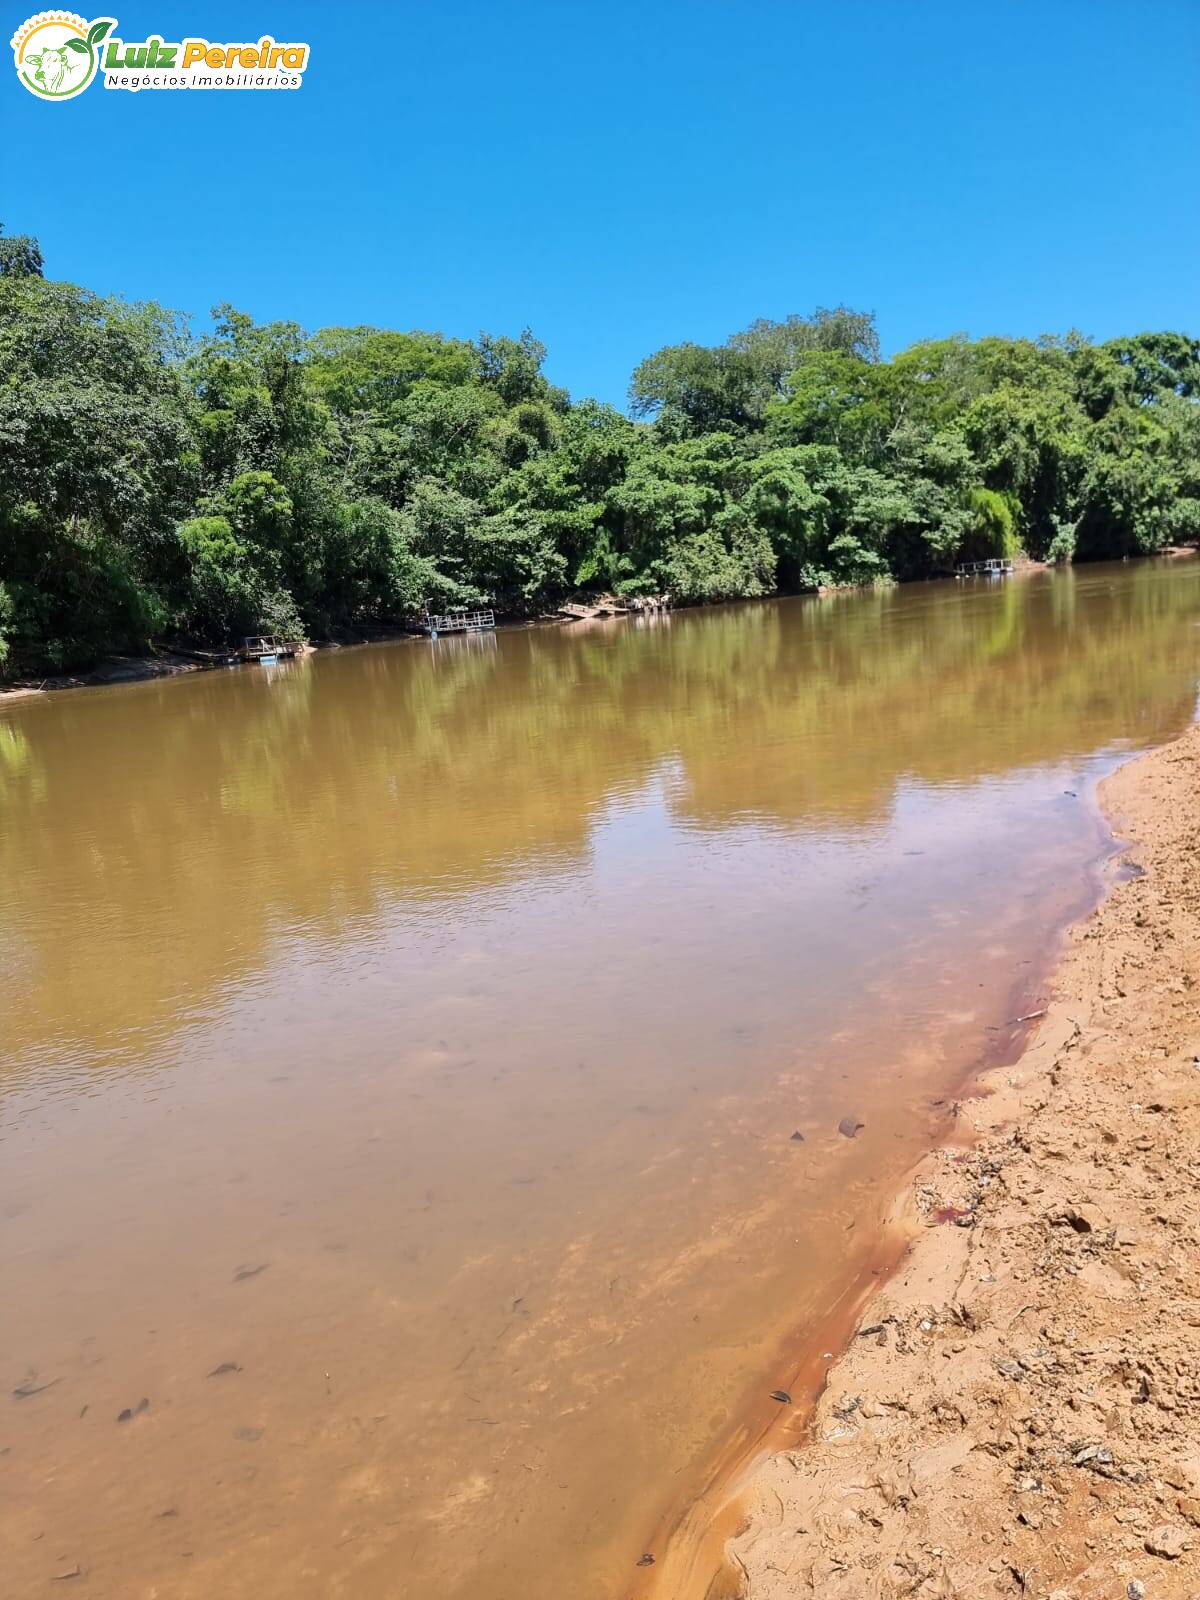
(995, 567)
(458, 622)
(265, 647)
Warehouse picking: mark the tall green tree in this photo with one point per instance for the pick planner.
(20, 256)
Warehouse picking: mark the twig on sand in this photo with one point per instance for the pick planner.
(1030, 1016)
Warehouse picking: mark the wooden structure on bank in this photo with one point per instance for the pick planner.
(610, 606)
(266, 647)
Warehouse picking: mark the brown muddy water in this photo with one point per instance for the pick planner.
(403, 1051)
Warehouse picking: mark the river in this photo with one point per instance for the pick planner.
(421, 1065)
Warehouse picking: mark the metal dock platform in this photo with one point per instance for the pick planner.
(997, 567)
(458, 622)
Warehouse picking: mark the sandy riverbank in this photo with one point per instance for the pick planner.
(114, 669)
(1018, 1410)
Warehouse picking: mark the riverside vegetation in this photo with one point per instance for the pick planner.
(157, 486)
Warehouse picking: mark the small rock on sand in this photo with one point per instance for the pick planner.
(1168, 1542)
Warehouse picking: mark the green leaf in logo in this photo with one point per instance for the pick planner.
(97, 31)
(77, 44)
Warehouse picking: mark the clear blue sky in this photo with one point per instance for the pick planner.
(620, 176)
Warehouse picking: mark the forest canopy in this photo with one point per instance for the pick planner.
(158, 486)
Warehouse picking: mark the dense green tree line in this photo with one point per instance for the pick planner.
(158, 486)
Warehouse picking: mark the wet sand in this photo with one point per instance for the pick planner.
(1017, 1410)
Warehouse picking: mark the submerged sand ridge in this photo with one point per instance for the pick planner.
(1018, 1411)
